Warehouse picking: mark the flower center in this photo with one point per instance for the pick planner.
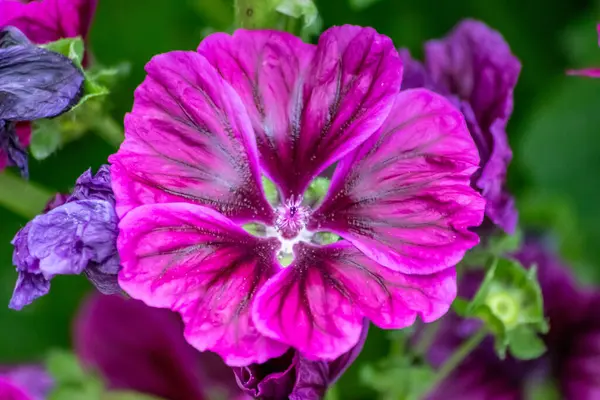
(291, 218)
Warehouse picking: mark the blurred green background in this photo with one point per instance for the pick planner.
(555, 130)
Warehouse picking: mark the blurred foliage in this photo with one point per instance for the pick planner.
(554, 129)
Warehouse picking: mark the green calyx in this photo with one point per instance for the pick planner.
(509, 302)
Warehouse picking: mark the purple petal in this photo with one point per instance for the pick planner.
(36, 83)
(293, 376)
(403, 198)
(29, 287)
(416, 76)
(156, 360)
(197, 262)
(271, 380)
(94, 187)
(475, 64)
(189, 139)
(49, 20)
(69, 237)
(317, 304)
(578, 363)
(308, 105)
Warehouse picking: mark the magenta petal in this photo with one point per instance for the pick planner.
(189, 139)
(317, 304)
(49, 20)
(403, 198)
(308, 105)
(195, 261)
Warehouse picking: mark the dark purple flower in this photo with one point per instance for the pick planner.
(34, 83)
(76, 237)
(294, 377)
(27, 382)
(573, 357)
(474, 67)
(155, 360)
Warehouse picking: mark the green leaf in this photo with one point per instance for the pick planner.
(109, 76)
(64, 367)
(46, 138)
(72, 382)
(73, 48)
(91, 90)
(525, 344)
(398, 378)
(304, 10)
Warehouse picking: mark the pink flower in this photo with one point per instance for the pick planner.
(206, 125)
(48, 20)
(589, 72)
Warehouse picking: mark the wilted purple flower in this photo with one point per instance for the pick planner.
(34, 83)
(474, 68)
(294, 377)
(573, 358)
(27, 382)
(76, 237)
(42, 22)
(206, 127)
(140, 348)
(589, 72)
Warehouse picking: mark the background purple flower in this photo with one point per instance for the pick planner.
(155, 360)
(474, 67)
(74, 237)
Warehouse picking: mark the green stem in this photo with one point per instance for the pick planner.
(109, 130)
(427, 337)
(24, 198)
(459, 356)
